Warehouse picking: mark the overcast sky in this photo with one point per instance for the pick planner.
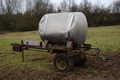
(103, 2)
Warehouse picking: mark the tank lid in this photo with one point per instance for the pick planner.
(64, 10)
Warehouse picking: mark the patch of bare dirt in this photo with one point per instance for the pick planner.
(105, 71)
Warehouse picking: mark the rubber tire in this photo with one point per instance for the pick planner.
(69, 60)
(81, 62)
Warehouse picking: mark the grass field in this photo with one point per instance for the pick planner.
(106, 38)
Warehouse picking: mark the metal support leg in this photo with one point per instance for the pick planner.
(22, 51)
(22, 55)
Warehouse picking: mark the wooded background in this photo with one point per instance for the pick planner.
(14, 18)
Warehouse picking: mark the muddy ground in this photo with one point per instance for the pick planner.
(94, 69)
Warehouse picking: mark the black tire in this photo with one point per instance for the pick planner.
(81, 62)
(62, 62)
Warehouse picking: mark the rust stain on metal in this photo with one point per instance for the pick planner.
(27, 42)
(17, 48)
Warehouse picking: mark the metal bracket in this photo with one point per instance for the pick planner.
(98, 54)
(69, 44)
(46, 42)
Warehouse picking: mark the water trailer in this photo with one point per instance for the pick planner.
(63, 34)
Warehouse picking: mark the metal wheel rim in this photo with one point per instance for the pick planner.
(61, 63)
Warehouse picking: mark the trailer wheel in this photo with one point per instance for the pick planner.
(81, 62)
(62, 62)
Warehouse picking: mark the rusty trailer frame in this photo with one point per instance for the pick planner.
(67, 52)
(51, 48)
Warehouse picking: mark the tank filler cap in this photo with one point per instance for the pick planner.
(63, 10)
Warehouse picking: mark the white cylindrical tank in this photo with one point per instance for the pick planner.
(59, 27)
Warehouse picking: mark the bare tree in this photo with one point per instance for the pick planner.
(85, 6)
(68, 5)
(13, 6)
(2, 7)
(29, 6)
(64, 5)
(42, 7)
(116, 7)
(73, 6)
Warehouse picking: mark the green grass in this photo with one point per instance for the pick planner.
(106, 38)
(33, 59)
